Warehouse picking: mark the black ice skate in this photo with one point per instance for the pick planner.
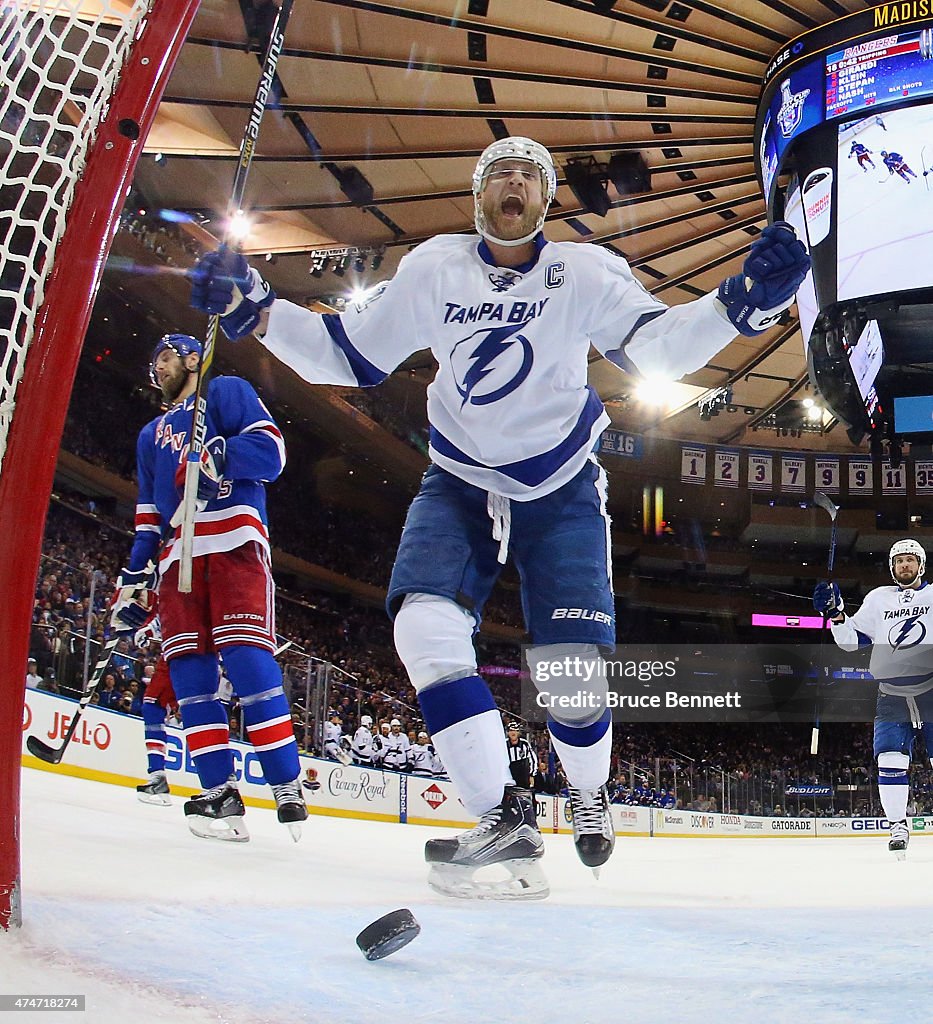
(292, 810)
(507, 836)
(218, 814)
(593, 831)
(155, 791)
(900, 837)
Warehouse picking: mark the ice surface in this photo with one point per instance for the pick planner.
(122, 904)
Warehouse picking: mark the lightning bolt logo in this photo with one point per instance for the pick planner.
(905, 631)
(483, 357)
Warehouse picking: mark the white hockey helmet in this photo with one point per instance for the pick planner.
(516, 147)
(907, 547)
(366, 720)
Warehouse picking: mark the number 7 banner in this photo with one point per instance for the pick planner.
(793, 474)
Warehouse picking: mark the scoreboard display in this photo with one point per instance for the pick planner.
(879, 71)
(844, 151)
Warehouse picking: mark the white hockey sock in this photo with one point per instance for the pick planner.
(586, 767)
(893, 787)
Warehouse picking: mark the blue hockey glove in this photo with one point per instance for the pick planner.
(132, 599)
(224, 283)
(773, 271)
(210, 477)
(827, 599)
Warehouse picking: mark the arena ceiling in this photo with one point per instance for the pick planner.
(385, 108)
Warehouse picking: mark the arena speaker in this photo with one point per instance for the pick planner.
(587, 180)
(630, 173)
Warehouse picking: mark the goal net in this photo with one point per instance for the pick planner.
(79, 84)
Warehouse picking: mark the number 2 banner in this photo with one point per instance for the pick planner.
(726, 469)
(693, 465)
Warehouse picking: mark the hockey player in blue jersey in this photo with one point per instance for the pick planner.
(898, 624)
(231, 607)
(862, 154)
(510, 318)
(895, 163)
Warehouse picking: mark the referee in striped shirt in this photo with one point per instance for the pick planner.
(522, 760)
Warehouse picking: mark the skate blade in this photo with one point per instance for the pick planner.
(900, 854)
(160, 799)
(294, 830)
(596, 872)
(525, 881)
(230, 830)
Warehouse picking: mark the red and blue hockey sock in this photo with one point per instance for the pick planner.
(156, 736)
(204, 717)
(466, 728)
(257, 681)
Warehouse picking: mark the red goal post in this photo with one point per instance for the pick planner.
(83, 80)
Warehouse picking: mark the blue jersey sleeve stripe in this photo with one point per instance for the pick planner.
(864, 640)
(365, 372)
(534, 470)
(618, 356)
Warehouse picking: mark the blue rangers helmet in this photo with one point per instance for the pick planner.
(181, 344)
(907, 547)
(516, 147)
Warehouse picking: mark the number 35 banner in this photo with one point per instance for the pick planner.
(693, 465)
(726, 469)
(923, 477)
(793, 474)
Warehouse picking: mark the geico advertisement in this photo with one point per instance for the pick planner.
(109, 742)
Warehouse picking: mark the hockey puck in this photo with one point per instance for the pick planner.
(388, 934)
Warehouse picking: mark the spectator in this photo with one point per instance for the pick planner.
(33, 679)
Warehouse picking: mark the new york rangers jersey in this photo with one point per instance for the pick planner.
(255, 454)
(510, 409)
(898, 623)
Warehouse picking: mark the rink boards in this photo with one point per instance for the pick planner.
(109, 747)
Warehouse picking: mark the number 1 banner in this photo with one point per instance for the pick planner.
(726, 468)
(760, 471)
(793, 474)
(692, 465)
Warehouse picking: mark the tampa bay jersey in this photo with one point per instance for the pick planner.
(255, 453)
(510, 409)
(898, 623)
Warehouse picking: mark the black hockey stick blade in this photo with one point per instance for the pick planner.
(824, 502)
(51, 755)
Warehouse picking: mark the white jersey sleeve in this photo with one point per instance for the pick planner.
(643, 335)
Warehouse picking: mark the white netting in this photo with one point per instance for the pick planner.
(59, 65)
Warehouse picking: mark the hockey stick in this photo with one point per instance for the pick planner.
(824, 502)
(54, 754)
(199, 413)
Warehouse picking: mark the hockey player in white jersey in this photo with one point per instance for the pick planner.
(396, 748)
(510, 319)
(421, 756)
(361, 745)
(898, 624)
(335, 743)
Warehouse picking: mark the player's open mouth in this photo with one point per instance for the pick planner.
(512, 206)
